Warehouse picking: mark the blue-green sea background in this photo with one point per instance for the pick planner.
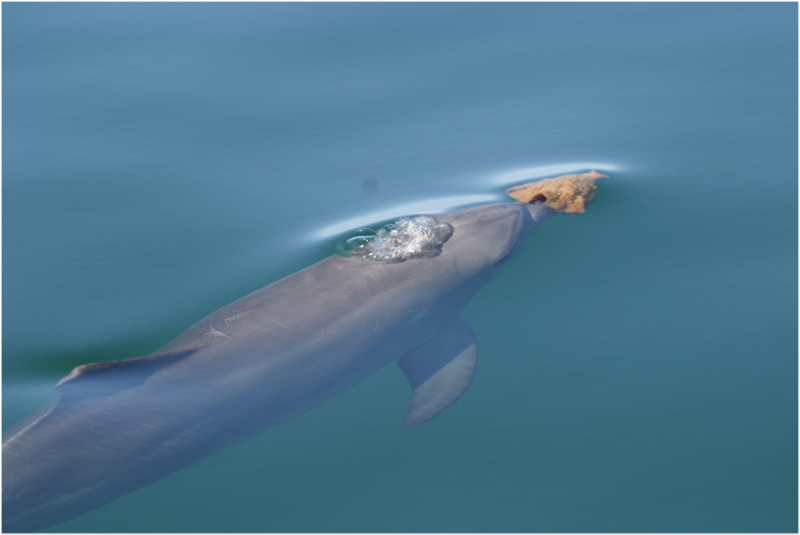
(638, 363)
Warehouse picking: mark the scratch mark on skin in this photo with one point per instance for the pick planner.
(279, 325)
(259, 330)
(27, 475)
(37, 471)
(213, 333)
(229, 320)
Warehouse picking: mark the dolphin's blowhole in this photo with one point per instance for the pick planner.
(404, 239)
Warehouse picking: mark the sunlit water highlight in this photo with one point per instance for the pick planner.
(515, 176)
(421, 207)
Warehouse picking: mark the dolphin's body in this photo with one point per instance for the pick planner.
(256, 363)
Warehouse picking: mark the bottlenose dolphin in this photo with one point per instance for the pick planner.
(264, 359)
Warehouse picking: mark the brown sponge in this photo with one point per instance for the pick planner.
(568, 193)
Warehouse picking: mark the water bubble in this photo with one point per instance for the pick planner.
(359, 241)
(362, 237)
(416, 237)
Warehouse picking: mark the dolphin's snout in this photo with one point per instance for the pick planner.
(539, 212)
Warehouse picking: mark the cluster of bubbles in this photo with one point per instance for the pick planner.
(409, 237)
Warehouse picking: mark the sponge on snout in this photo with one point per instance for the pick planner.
(568, 193)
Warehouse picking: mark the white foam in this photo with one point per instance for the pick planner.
(416, 237)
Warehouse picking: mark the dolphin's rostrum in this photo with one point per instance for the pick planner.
(260, 361)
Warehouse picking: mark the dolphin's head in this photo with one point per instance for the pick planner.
(485, 237)
(463, 245)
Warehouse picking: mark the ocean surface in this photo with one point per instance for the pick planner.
(638, 363)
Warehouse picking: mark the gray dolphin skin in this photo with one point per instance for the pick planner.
(261, 361)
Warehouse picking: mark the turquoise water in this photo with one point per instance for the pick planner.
(638, 363)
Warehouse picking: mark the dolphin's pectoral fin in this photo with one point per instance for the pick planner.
(101, 379)
(439, 371)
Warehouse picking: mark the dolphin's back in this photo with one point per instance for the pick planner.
(255, 363)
